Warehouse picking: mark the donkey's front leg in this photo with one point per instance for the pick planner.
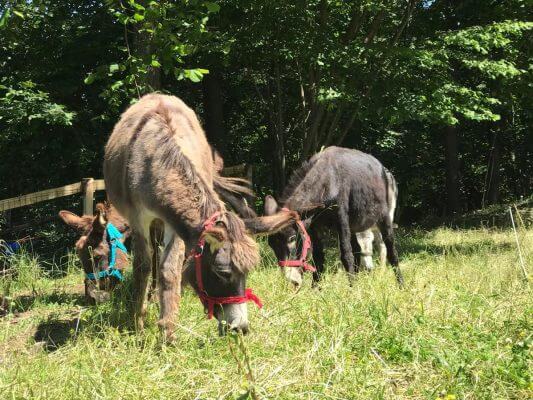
(345, 236)
(170, 283)
(318, 254)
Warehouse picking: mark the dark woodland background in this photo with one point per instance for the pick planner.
(439, 91)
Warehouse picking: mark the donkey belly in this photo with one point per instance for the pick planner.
(362, 220)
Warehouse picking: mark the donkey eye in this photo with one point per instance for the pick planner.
(292, 238)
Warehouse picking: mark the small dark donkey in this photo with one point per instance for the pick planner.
(94, 249)
(338, 188)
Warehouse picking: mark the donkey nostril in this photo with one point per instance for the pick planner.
(241, 328)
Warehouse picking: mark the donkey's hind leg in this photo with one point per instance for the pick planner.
(141, 272)
(387, 233)
(345, 243)
(170, 283)
(356, 249)
(365, 240)
(378, 242)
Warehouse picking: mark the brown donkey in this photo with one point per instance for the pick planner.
(102, 265)
(159, 169)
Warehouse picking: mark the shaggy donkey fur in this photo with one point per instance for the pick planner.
(159, 169)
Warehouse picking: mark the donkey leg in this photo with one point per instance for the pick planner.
(170, 283)
(156, 239)
(141, 272)
(366, 239)
(318, 255)
(378, 240)
(392, 255)
(345, 244)
(356, 249)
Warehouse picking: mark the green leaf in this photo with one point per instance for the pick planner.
(194, 75)
(212, 7)
(113, 68)
(5, 17)
(138, 6)
(155, 63)
(117, 85)
(138, 17)
(90, 78)
(18, 14)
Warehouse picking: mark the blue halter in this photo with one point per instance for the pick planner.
(113, 240)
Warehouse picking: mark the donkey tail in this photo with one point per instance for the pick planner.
(391, 190)
(239, 186)
(236, 198)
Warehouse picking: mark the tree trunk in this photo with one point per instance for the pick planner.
(279, 138)
(143, 47)
(494, 178)
(214, 110)
(374, 27)
(453, 195)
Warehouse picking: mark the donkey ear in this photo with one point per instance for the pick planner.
(100, 217)
(75, 221)
(271, 205)
(271, 223)
(216, 235)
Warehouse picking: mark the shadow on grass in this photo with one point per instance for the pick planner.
(115, 312)
(55, 333)
(422, 242)
(415, 244)
(28, 302)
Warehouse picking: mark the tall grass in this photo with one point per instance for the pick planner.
(460, 329)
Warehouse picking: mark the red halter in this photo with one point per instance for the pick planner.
(305, 248)
(210, 301)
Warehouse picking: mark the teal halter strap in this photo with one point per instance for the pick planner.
(113, 240)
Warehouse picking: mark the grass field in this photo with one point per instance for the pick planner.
(461, 329)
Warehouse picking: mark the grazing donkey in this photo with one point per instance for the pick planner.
(339, 188)
(101, 236)
(159, 171)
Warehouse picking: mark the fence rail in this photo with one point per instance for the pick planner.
(87, 187)
(83, 187)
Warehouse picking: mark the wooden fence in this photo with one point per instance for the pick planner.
(88, 186)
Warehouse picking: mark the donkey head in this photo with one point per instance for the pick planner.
(230, 252)
(93, 248)
(285, 245)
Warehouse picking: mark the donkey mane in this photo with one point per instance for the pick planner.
(298, 176)
(173, 158)
(245, 251)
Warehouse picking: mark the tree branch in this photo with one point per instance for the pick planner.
(333, 127)
(346, 129)
(313, 130)
(405, 21)
(354, 26)
(374, 27)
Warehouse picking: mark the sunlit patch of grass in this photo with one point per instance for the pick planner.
(461, 329)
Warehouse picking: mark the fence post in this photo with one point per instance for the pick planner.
(87, 192)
